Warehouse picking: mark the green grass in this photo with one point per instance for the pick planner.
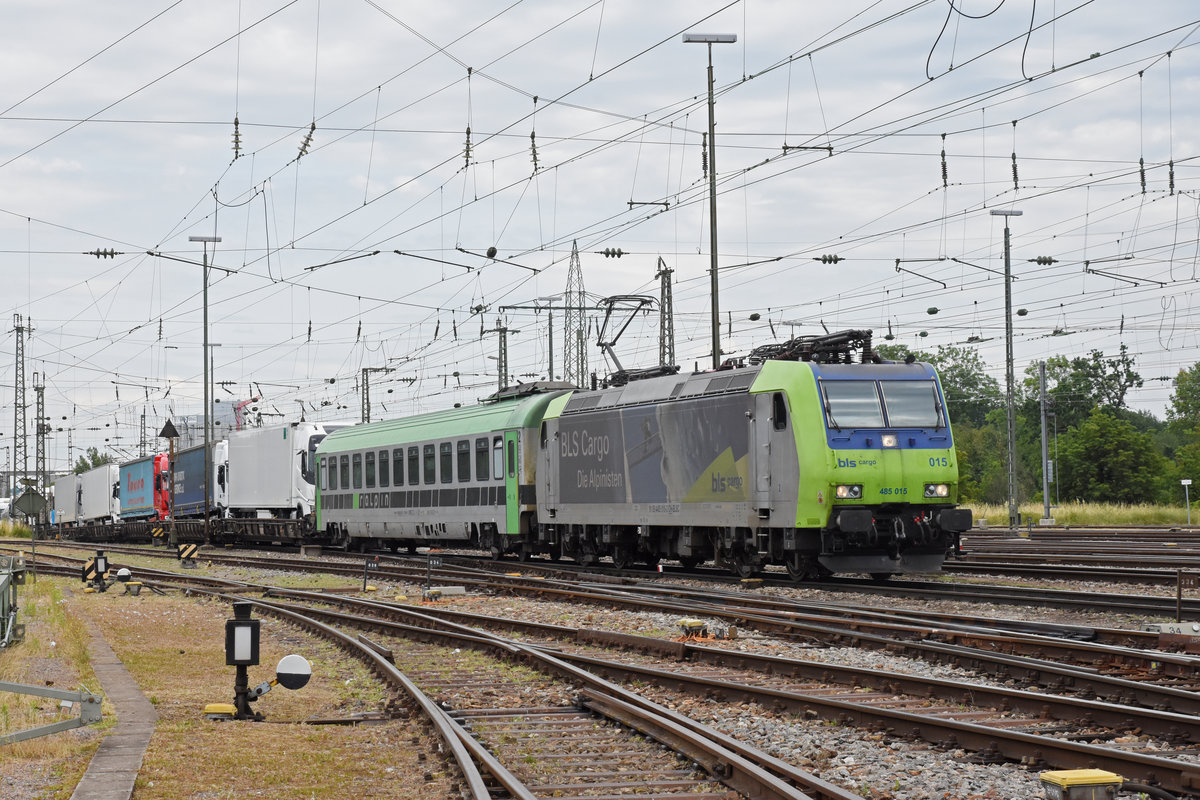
(14, 529)
(1089, 514)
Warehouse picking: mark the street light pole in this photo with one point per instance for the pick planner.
(205, 240)
(710, 39)
(1014, 518)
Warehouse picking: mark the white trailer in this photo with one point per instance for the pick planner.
(66, 499)
(99, 495)
(271, 470)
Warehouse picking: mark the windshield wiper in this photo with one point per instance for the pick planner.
(832, 421)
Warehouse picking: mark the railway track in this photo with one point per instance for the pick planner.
(996, 722)
(555, 731)
(1056, 731)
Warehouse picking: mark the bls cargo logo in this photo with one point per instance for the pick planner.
(862, 462)
(726, 483)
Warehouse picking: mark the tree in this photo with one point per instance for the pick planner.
(1107, 460)
(1078, 385)
(90, 460)
(1185, 400)
(970, 392)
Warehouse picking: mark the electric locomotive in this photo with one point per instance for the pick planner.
(804, 459)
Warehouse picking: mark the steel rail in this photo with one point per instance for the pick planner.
(1014, 745)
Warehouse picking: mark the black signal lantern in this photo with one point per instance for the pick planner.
(241, 637)
(101, 564)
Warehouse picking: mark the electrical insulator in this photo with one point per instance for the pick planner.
(612, 252)
(308, 137)
(109, 253)
(1044, 260)
(237, 138)
(827, 259)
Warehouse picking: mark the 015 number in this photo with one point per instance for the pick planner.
(941, 461)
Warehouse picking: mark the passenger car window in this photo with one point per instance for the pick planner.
(446, 457)
(464, 461)
(481, 459)
(345, 470)
(371, 470)
(430, 463)
(498, 458)
(356, 466)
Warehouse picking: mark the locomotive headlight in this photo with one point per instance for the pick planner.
(937, 490)
(848, 491)
(888, 440)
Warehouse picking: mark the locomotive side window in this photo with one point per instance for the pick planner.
(383, 469)
(464, 461)
(779, 412)
(344, 465)
(356, 468)
(430, 463)
(414, 466)
(498, 458)
(321, 475)
(371, 470)
(512, 459)
(446, 453)
(398, 465)
(852, 404)
(912, 404)
(481, 460)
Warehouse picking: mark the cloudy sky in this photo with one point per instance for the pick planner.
(441, 130)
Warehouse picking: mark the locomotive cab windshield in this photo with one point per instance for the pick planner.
(860, 404)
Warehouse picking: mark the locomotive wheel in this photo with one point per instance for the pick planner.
(555, 552)
(497, 553)
(742, 566)
(797, 570)
(622, 557)
(689, 562)
(524, 552)
(880, 577)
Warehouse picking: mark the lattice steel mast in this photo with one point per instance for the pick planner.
(666, 316)
(574, 327)
(20, 443)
